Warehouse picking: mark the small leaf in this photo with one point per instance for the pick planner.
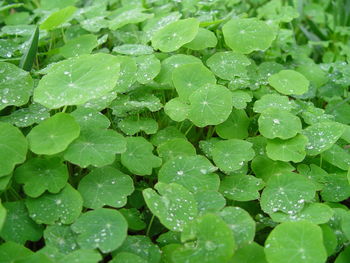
(101, 228)
(337, 156)
(29, 55)
(56, 19)
(273, 101)
(54, 134)
(10, 251)
(105, 186)
(175, 206)
(176, 109)
(148, 67)
(336, 188)
(82, 255)
(250, 253)
(61, 237)
(79, 46)
(132, 125)
(175, 147)
(303, 240)
(133, 49)
(289, 82)
(235, 127)
(204, 39)
(209, 201)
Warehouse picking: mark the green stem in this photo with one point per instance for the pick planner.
(149, 225)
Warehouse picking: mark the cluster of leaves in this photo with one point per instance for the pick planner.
(174, 131)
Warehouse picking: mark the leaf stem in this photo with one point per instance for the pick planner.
(149, 225)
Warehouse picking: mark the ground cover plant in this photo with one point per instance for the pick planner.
(174, 131)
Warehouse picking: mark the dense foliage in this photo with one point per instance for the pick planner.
(174, 131)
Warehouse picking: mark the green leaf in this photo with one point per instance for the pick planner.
(287, 150)
(273, 101)
(148, 67)
(210, 105)
(18, 226)
(16, 85)
(138, 157)
(286, 192)
(175, 206)
(127, 75)
(188, 78)
(235, 127)
(141, 246)
(250, 253)
(63, 207)
(204, 39)
(316, 213)
(126, 257)
(289, 82)
(209, 201)
(54, 134)
(343, 256)
(241, 224)
(90, 118)
(29, 56)
(61, 237)
(337, 156)
(228, 65)
(50, 4)
(82, 255)
(336, 188)
(79, 46)
(133, 49)
(303, 240)
(10, 251)
(102, 228)
(133, 217)
(56, 19)
(3, 214)
(132, 125)
(241, 98)
(274, 123)
(313, 172)
(41, 174)
(105, 186)
(321, 136)
(176, 34)
(127, 15)
(230, 155)
(96, 147)
(211, 238)
(247, 35)
(14, 148)
(175, 147)
(188, 171)
(37, 257)
(176, 109)
(166, 134)
(241, 187)
(77, 80)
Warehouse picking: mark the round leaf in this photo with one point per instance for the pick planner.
(204, 39)
(175, 147)
(235, 127)
(289, 82)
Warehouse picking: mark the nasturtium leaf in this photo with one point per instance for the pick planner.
(274, 123)
(204, 39)
(127, 75)
(34, 258)
(166, 134)
(315, 173)
(18, 226)
(316, 213)
(344, 256)
(209, 201)
(265, 168)
(138, 157)
(303, 241)
(175, 147)
(77, 80)
(249, 253)
(336, 187)
(54, 134)
(56, 19)
(287, 193)
(11, 251)
(50, 4)
(141, 246)
(339, 224)
(321, 136)
(127, 15)
(102, 228)
(41, 174)
(172, 62)
(235, 127)
(188, 78)
(16, 85)
(79, 46)
(273, 101)
(156, 23)
(148, 67)
(210, 105)
(82, 255)
(213, 241)
(132, 125)
(289, 82)
(61, 237)
(337, 156)
(228, 65)
(127, 257)
(329, 239)
(97, 147)
(100, 103)
(24, 117)
(176, 34)
(247, 35)
(90, 118)
(241, 187)
(241, 98)
(105, 186)
(176, 109)
(63, 207)
(133, 49)
(241, 224)
(94, 24)
(230, 155)
(13, 147)
(287, 150)
(188, 171)
(133, 216)
(175, 206)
